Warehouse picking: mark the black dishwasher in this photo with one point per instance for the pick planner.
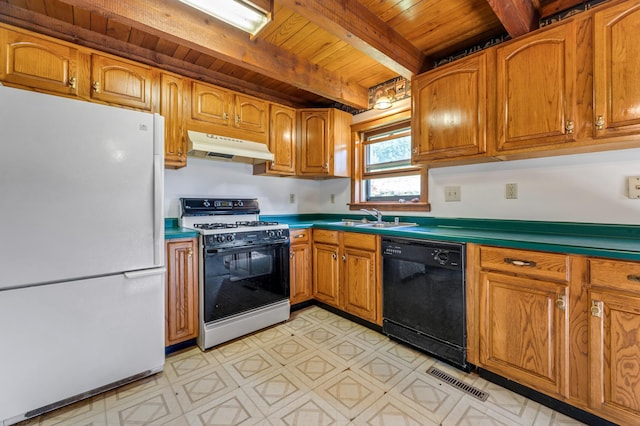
(423, 288)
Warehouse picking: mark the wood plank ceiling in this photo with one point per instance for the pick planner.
(313, 52)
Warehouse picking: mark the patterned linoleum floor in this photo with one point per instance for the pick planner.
(316, 369)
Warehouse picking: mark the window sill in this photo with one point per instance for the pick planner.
(422, 207)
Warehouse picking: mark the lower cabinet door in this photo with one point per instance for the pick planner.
(614, 330)
(300, 271)
(182, 290)
(326, 274)
(523, 330)
(360, 283)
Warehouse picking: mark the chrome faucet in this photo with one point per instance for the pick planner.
(374, 212)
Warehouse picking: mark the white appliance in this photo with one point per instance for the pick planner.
(81, 250)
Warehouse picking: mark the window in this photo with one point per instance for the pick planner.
(383, 174)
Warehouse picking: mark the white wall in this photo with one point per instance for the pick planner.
(576, 188)
(217, 178)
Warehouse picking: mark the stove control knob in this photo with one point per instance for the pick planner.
(240, 203)
(441, 256)
(220, 238)
(271, 234)
(206, 203)
(230, 237)
(279, 233)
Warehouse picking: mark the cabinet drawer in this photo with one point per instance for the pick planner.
(360, 241)
(615, 274)
(299, 235)
(523, 262)
(325, 236)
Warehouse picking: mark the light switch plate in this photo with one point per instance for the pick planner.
(633, 188)
(452, 193)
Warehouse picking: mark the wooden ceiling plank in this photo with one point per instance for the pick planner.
(59, 10)
(117, 30)
(64, 31)
(353, 23)
(553, 7)
(82, 18)
(517, 16)
(167, 19)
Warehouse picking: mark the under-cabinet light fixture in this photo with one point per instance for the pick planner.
(238, 13)
(385, 100)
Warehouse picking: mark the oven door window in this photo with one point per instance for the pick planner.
(241, 279)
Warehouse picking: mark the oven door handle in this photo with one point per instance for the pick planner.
(213, 252)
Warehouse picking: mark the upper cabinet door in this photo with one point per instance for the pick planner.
(450, 110)
(282, 140)
(38, 63)
(617, 70)
(535, 93)
(252, 115)
(119, 82)
(210, 104)
(171, 108)
(314, 142)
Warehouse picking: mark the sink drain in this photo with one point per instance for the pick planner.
(468, 389)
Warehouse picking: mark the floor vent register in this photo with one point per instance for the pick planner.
(468, 389)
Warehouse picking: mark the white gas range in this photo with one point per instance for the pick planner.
(244, 267)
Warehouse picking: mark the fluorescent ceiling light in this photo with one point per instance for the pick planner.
(233, 12)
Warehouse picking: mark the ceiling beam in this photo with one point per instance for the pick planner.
(186, 26)
(357, 26)
(517, 16)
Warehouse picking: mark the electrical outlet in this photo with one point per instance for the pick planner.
(292, 198)
(634, 187)
(511, 191)
(333, 198)
(452, 193)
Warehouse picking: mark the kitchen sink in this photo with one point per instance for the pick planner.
(361, 224)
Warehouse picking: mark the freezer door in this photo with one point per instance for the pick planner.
(61, 340)
(80, 189)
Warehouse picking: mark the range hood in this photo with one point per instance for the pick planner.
(207, 145)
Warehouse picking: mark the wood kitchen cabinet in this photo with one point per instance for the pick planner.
(523, 317)
(300, 266)
(324, 143)
(39, 62)
(282, 143)
(172, 109)
(616, 71)
(347, 272)
(121, 82)
(614, 339)
(450, 110)
(182, 290)
(536, 95)
(227, 113)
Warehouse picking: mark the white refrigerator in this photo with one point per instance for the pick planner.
(81, 250)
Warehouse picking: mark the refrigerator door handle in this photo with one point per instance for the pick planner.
(132, 275)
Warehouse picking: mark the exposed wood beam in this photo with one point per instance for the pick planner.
(184, 25)
(356, 25)
(517, 16)
(43, 24)
(554, 7)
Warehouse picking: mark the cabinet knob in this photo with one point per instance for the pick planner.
(596, 309)
(414, 150)
(189, 252)
(599, 122)
(237, 118)
(335, 256)
(292, 255)
(225, 116)
(569, 126)
(72, 82)
(299, 236)
(96, 86)
(561, 302)
(326, 166)
(344, 257)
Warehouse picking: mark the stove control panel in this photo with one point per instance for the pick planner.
(246, 238)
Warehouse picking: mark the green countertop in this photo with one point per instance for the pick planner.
(590, 239)
(603, 240)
